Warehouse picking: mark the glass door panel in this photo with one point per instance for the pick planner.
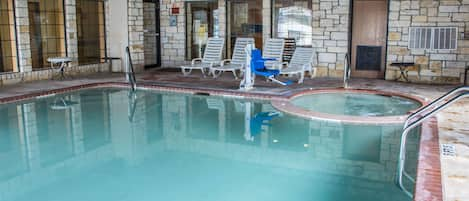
(244, 20)
(151, 27)
(202, 22)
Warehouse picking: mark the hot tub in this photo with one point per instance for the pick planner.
(359, 106)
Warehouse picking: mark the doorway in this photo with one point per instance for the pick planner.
(151, 35)
(244, 19)
(369, 32)
(202, 23)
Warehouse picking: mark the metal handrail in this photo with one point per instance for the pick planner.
(346, 71)
(412, 122)
(435, 102)
(130, 75)
(465, 75)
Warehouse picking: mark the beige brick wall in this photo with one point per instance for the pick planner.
(435, 66)
(330, 35)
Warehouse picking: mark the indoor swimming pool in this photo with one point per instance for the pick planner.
(109, 144)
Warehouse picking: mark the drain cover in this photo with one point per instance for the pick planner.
(448, 150)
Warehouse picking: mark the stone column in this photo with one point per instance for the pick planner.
(173, 38)
(117, 32)
(266, 19)
(22, 27)
(222, 17)
(71, 30)
(135, 20)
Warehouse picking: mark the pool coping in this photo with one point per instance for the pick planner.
(428, 181)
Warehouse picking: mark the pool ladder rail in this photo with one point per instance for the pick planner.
(347, 71)
(416, 119)
(130, 72)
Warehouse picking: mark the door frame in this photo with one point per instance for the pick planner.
(157, 32)
(350, 48)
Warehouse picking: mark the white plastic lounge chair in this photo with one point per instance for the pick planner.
(273, 49)
(212, 56)
(301, 61)
(237, 61)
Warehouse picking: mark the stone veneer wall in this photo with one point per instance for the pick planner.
(47, 74)
(330, 35)
(442, 66)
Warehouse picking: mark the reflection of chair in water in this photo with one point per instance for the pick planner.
(256, 123)
(216, 104)
(62, 104)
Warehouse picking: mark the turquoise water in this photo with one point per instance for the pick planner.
(356, 104)
(101, 145)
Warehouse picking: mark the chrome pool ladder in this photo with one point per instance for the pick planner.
(347, 71)
(130, 73)
(416, 119)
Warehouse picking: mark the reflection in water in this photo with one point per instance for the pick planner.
(83, 146)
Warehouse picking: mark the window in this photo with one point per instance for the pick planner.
(91, 31)
(8, 60)
(46, 31)
(445, 38)
(433, 38)
(293, 19)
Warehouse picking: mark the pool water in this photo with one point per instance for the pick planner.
(356, 104)
(101, 145)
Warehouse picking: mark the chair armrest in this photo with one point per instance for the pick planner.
(196, 59)
(279, 65)
(223, 62)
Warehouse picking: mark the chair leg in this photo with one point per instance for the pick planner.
(215, 74)
(302, 77)
(234, 74)
(186, 73)
(203, 72)
(312, 73)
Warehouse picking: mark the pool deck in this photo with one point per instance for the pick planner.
(453, 122)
